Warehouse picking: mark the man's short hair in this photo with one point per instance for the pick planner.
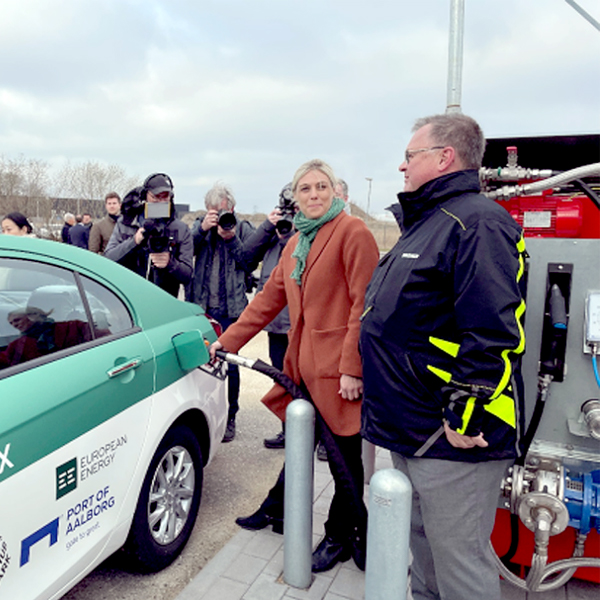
(217, 194)
(459, 131)
(316, 164)
(343, 185)
(112, 195)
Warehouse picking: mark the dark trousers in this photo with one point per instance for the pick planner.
(233, 372)
(278, 343)
(347, 512)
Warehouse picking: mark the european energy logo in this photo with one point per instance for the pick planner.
(66, 478)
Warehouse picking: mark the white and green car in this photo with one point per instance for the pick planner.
(107, 417)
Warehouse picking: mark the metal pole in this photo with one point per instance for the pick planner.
(298, 495)
(455, 55)
(369, 179)
(390, 496)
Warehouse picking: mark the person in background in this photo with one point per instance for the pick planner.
(149, 239)
(69, 221)
(341, 191)
(219, 284)
(266, 245)
(439, 340)
(79, 234)
(321, 276)
(16, 223)
(102, 230)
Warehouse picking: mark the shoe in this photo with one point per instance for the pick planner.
(229, 431)
(359, 552)
(259, 520)
(321, 452)
(329, 553)
(276, 442)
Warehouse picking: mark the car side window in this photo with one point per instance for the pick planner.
(41, 311)
(109, 314)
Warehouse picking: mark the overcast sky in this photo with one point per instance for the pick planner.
(244, 91)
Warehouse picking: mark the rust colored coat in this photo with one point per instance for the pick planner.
(324, 315)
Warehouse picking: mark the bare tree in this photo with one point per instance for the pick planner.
(91, 180)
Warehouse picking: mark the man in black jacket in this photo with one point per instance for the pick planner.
(439, 339)
(149, 239)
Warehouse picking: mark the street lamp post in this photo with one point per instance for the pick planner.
(369, 179)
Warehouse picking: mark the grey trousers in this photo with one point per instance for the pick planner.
(453, 513)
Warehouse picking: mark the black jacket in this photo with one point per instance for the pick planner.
(233, 267)
(264, 244)
(122, 249)
(441, 328)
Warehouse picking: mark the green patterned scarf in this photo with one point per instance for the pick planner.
(308, 229)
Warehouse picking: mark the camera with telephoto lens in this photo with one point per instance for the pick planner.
(287, 207)
(227, 220)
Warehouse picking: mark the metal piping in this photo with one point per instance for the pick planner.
(455, 55)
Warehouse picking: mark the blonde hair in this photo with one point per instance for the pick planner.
(316, 164)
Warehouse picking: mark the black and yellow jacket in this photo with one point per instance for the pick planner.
(443, 325)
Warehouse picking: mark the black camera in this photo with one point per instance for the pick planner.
(227, 220)
(156, 236)
(132, 205)
(287, 206)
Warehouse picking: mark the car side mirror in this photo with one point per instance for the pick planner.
(190, 349)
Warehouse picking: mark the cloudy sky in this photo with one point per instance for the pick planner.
(244, 91)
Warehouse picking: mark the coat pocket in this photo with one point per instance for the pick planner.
(327, 350)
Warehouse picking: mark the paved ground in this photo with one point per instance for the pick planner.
(250, 566)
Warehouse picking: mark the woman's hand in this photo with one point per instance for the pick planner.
(213, 348)
(351, 388)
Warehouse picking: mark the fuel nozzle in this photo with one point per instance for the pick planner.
(554, 340)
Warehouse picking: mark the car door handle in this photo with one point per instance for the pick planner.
(132, 363)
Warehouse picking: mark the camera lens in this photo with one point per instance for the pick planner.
(284, 225)
(227, 220)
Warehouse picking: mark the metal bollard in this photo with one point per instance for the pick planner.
(390, 498)
(298, 496)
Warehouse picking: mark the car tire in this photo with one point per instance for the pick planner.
(168, 503)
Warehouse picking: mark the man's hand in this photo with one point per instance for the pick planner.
(160, 259)
(211, 219)
(139, 236)
(274, 216)
(213, 348)
(351, 388)
(463, 441)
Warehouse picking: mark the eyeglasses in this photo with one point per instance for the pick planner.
(409, 154)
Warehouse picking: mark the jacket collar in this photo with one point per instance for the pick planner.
(413, 206)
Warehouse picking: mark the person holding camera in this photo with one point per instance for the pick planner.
(220, 274)
(149, 239)
(267, 244)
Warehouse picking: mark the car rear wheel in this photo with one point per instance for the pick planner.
(168, 503)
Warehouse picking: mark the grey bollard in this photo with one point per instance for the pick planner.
(368, 459)
(298, 495)
(390, 499)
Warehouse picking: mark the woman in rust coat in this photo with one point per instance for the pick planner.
(321, 276)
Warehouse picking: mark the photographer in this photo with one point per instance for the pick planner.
(149, 239)
(267, 244)
(220, 273)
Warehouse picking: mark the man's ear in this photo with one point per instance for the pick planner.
(447, 160)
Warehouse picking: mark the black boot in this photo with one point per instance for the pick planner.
(329, 553)
(230, 431)
(259, 520)
(276, 442)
